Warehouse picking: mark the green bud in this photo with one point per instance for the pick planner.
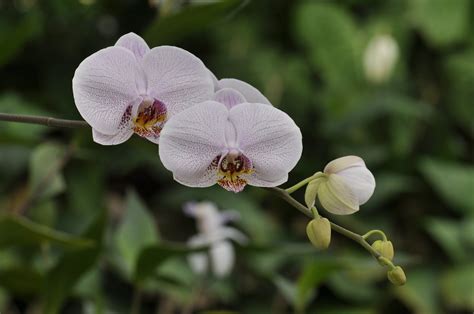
(319, 232)
(397, 276)
(385, 248)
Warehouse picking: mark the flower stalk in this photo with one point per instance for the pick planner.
(41, 120)
(302, 183)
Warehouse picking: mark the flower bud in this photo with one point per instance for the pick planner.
(319, 232)
(380, 58)
(385, 248)
(397, 276)
(348, 185)
(312, 191)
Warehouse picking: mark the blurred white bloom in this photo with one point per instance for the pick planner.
(213, 232)
(345, 185)
(380, 57)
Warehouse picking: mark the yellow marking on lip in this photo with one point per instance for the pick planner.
(231, 169)
(150, 119)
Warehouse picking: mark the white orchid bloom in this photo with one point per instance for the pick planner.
(346, 184)
(214, 233)
(231, 141)
(231, 92)
(380, 58)
(128, 88)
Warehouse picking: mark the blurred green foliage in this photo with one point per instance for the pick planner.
(88, 229)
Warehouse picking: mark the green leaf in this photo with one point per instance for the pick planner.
(312, 276)
(457, 287)
(45, 166)
(448, 234)
(453, 181)
(15, 230)
(21, 280)
(172, 28)
(352, 289)
(15, 34)
(390, 185)
(13, 160)
(420, 294)
(137, 231)
(459, 69)
(152, 257)
(286, 288)
(14, 104)
(441, 22)
(71, 267)
(335, 56)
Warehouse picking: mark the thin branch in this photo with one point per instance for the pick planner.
(48, 121)
(347, 233)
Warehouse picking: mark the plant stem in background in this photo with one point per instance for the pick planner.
(48, 121)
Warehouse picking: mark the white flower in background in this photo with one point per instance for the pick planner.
(212, 232)
(234, 140)
(128, 88)
(345, 185)
(380, 58)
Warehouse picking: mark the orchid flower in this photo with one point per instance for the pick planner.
(129, 88)
(231, 92)
(231, 141)
(345, 185)
(213, 233)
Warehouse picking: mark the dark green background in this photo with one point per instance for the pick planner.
(82, 226)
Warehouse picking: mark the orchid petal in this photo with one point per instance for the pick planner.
(356, 176)
(229, 97)
(134, 43)
(270, 139)
(198, 261)
(229, 216)
(342, 163)
(192, 140)
(251, 94)
(336, 197)
(222, 258)
(177, 78)
(104, 85)
(215, 82)
(361, 181)
(233, 234)
(119, 138)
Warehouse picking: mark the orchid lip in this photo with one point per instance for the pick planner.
(232, 170)
(150, 118)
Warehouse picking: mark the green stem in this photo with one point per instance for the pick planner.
(386, 262)
(315, 212)
(371, 232)
(300, 184)
(341, 230)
